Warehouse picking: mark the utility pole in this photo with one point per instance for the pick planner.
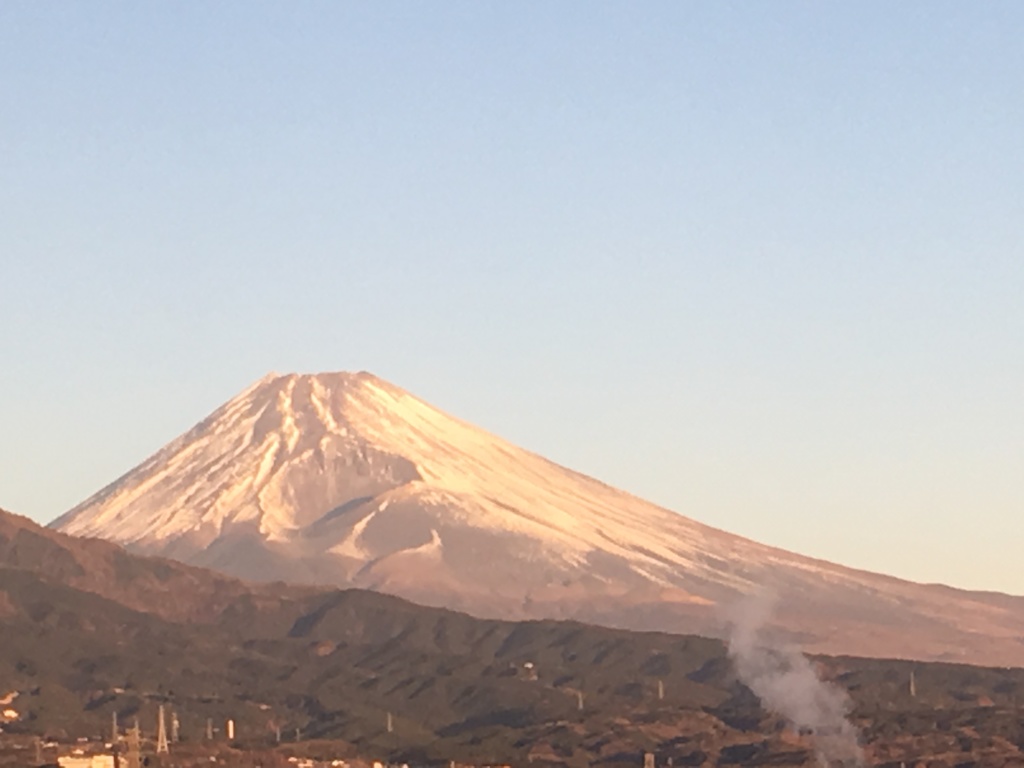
(175, 728)
(648, 760)
(661, 690)
(579, 700)
(230, 730)
(391, 723)
(114, 733)
(913, 685)
(209, 729)
(161, 733)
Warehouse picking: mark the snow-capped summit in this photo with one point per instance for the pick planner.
(342, 478)
(352, 470)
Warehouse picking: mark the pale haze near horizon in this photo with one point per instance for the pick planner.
(760, 264)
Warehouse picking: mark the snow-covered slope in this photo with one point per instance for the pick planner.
(345, 479)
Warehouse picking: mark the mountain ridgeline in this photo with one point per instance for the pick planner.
(88, 630)
(345, 480)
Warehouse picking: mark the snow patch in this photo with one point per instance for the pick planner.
(431, 548)
(286, 407)
(350, 546)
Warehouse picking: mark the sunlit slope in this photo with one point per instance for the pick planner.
(345, 479)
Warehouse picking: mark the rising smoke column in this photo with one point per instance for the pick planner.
(785, 682)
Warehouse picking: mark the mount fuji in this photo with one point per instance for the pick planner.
(344, 479)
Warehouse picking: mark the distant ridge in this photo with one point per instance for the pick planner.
(347, 480)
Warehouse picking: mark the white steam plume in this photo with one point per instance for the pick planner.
(785, 682)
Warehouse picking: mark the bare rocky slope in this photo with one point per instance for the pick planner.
(346, 480)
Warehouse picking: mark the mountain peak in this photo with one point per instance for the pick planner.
(346, 479)
(237, 465)
(347, 474)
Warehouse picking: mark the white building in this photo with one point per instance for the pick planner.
(86, 761)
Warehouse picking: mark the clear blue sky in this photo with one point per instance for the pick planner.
(761, 263)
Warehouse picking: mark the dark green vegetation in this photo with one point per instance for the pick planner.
(87, 630)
